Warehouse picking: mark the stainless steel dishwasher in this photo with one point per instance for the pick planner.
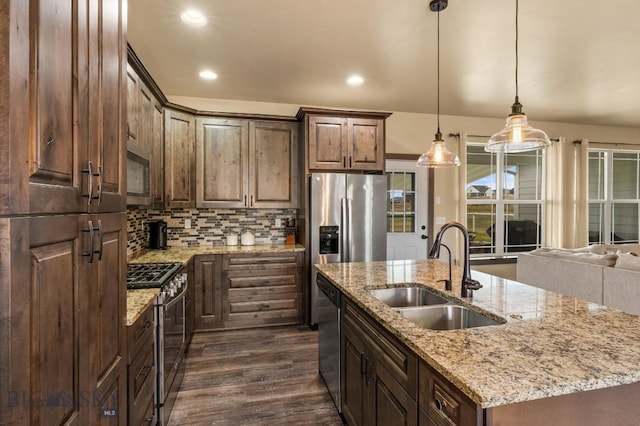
(328, 305)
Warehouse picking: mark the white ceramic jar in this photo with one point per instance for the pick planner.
(247, 238)
(232, 240)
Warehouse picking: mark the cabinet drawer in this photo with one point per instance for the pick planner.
(444, 404)
(139, 332)
(141, 385)
(264, 307)
(261, 262)
(401, 363)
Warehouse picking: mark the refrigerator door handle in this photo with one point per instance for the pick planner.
(344, 231)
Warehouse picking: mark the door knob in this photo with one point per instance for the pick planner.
(424, 237)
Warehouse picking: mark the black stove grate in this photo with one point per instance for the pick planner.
(150, 275)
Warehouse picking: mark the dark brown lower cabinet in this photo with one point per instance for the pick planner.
(443, 403)
(379, 374)
(208, 292)
(262, 289)
(62, 310)
(141, 370)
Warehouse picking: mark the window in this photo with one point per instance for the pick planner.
(614, 196)
(401, 206)
(504, 200)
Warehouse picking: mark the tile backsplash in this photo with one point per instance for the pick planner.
(208, 226)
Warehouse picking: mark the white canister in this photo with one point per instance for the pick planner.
(247, 238)
(232, 239)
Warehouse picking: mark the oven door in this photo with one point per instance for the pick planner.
(173, 348)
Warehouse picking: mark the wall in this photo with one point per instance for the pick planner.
(208, 226)
(412, 133)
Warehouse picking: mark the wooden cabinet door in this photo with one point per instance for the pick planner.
(133, 106)
(156, 158)
(41, 69)
(273, 165)
(222, 155)
(390, 404)
(366, 144)
(354, 364)
(107, 104)
(327, 143)
(41, 286)
(66, 358)
(179, 159)
(208, 291)
(103, 326)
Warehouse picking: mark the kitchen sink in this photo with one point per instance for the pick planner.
(400, 297)
(447, 317)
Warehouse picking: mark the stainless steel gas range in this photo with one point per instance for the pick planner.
(170, 323)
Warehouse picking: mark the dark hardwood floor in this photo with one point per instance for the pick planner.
(261, 376)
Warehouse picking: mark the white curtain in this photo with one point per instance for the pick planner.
(567, 182)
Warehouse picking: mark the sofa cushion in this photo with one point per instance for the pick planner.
(578, 256)
(628, 261)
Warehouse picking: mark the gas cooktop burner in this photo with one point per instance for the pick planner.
(150, 275)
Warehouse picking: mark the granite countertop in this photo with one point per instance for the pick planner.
(184, 254)
(138, 300)
(550, 345)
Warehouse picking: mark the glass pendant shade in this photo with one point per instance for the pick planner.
(438, 155)
(517, 136)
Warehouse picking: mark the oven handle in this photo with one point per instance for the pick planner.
(178, 297)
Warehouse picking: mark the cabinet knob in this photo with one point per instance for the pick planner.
(440, 404)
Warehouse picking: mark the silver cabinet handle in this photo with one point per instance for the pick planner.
(100, 185)
(100, 239)
(89, 170)
(91, 234)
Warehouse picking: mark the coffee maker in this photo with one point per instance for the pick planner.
(158, 235)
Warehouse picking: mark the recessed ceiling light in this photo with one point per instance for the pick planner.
(194, 18)
(208, 75)
(355, 80)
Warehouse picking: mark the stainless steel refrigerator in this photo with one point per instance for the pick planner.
(347, 218)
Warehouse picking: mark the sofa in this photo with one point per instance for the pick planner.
(605, 274)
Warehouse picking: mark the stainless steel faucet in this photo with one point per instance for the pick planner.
(468, 284)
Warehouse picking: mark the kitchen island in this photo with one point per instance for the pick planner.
(550, 348)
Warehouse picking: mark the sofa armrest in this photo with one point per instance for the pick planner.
(621, 290)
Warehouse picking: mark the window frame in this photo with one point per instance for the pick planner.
(499, 162)
(608, 202)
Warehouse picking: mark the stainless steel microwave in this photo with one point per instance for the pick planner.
(138, 191)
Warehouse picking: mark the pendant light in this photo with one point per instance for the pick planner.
(517, 136)
(438, 155)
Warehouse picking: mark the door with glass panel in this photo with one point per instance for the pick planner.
(406, 210)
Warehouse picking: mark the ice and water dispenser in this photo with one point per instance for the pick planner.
(329, 240)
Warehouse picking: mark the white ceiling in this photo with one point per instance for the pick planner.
(579, 59)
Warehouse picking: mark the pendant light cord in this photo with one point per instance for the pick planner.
(438, 91)
(517, 50)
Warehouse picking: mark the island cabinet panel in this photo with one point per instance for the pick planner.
(246, 163)
(262, 289)
(141, 370)
(348, 141)
(63, 145)
(443, 403)
(379, 374)
(179, 159)
(208, 291)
